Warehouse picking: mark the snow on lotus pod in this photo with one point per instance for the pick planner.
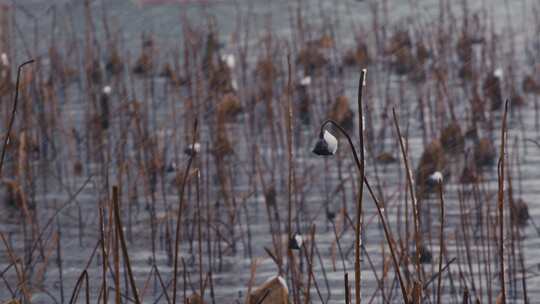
(296, 241)
(433, 159)
(193, 149)
(229, 60)
(326, 145)
(306, 81)
(104, 107)
(492, 89)
(107, 90)
(4, 59)
(436, 177)
(499, 73)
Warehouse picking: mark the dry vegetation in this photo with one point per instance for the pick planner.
(183, 152)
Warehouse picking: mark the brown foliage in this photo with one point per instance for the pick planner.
(484, 153)
(433, 159)
(341, 113)
(452, 139)
(358, 56)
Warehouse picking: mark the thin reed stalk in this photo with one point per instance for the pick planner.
(416, 218)
(441, 245)
(290, 181)
(75, 294)
(347, 291)
(119, 227)
(179, 215)
(359, 206)
(20, 272)
(104, 256)
(116, 257)
(500, 203)
(13, 112)
(386, 228)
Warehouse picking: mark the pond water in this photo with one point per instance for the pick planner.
(260, 158)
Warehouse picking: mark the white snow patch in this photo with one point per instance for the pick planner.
(331, 141)
(196, 147)
(299, 240)
(498, 73)
(365, 76)
(436, 177)
(305, 81)
(4, 59)
(283, 283)
(229, 60)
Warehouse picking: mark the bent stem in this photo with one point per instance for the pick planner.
(340, 128)
(76, 290)
(387, 231)
(12, 119)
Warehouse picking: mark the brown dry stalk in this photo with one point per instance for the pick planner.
(179, 215)
(20, 273)
(347, 291)
(358, 249)
(417, 238)
(438, 274)
(252, 272)
(56, 213)
(387, 232)
(288, 119)
(439, 281)
(199, 233)
(390, 240)
(500, 200)
(103, 254)
(311, 274)
(120, 233)
(13, 111)
(116, 257)
(40, 272)
(163, 286)
(147, 283)
(76, 290)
